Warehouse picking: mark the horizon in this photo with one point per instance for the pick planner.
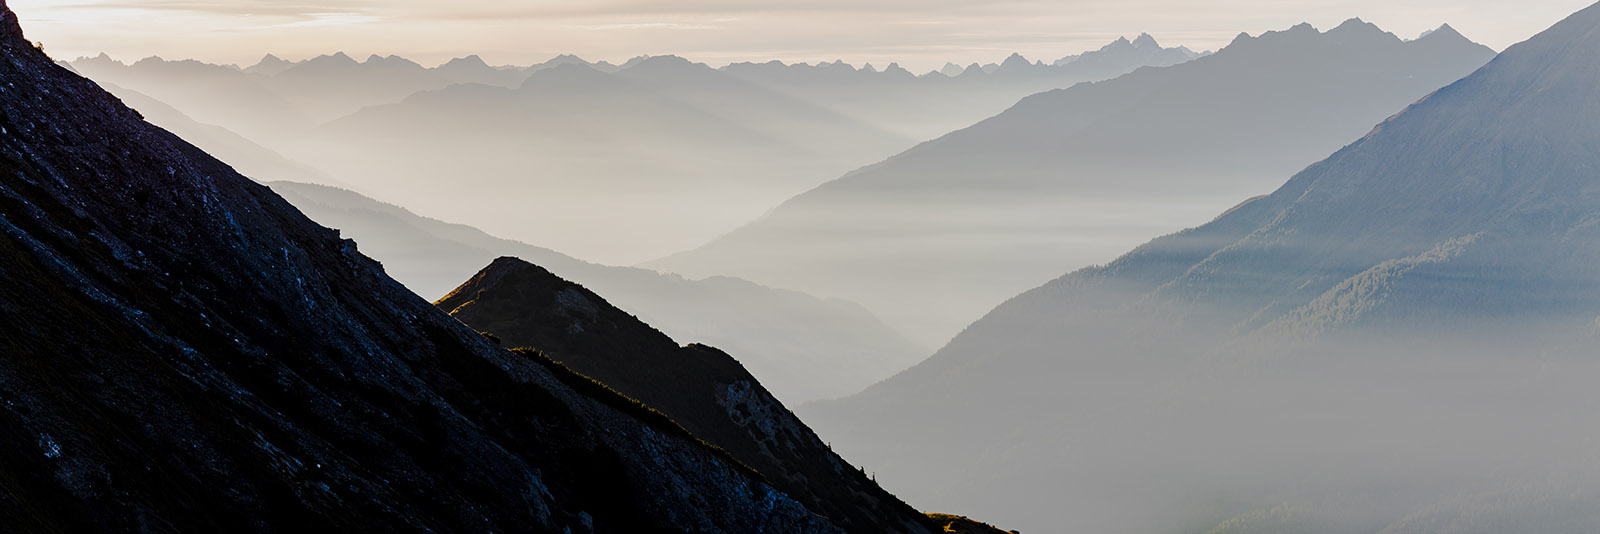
(919, 38)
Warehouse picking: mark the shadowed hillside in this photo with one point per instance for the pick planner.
(185, 351)
(701, 387)
(803, 348)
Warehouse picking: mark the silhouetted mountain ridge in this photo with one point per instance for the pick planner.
(1317, 356)
(802, 347)
(186, 352)
(701, 387)
(1073, 176)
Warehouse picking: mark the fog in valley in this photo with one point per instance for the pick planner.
(1318, 280)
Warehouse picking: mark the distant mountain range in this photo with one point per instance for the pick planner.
(1401, 338)
(932, 237)
(803, 348)
(930, 105)
(689, 151)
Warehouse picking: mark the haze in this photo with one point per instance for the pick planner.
(1248, 267)
(921, 35)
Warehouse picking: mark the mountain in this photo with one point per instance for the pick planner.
(269, 65)
(659, 156)
(929, 106)
(472, 69)
(332, 86)
(689, 150)
(242, 154)
(802, 348)
(931, 237)
(1143, 50)
(210, 94)
(703, 388)
(1400, 338)
(186, 352)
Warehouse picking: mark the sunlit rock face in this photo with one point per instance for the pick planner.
(183, 351)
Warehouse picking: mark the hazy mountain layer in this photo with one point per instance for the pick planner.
(1399, 339)
(186, 352)
(661, 155)
(683, 151)
(802, 348)
(244, 155)
(933, 236)
(703, 388)
(927, 106)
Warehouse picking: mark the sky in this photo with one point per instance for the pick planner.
(919, 34)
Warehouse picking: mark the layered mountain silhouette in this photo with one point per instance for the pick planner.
(683, 150)
(1398, 339)
(933, 236)
(802, 348)
(690, 150)
(244, 155)
(211, 94)
(927, 106)
(187, 352)
(700, 387)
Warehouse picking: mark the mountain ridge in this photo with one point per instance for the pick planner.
(1074, 176)
(1312, 348)
(186, 351)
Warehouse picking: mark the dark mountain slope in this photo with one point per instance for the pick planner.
(801, 347)
(933, 236)
(1411, 318)
(185, 352)
(701, 387)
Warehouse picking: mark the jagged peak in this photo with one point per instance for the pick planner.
(1145, 40)
(338, 58)
(1015, 60)
(472, 61)
(101, 58)
(1443, 32)
(1357, 26)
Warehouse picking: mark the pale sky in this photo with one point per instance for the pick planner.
(920, 34)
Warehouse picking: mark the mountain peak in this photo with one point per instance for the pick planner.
(1145, 40)
(1357, 27)
(1443, 32)
(1015, 60)
(471, 61)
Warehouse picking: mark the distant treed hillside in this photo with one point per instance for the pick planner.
(932, 237)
